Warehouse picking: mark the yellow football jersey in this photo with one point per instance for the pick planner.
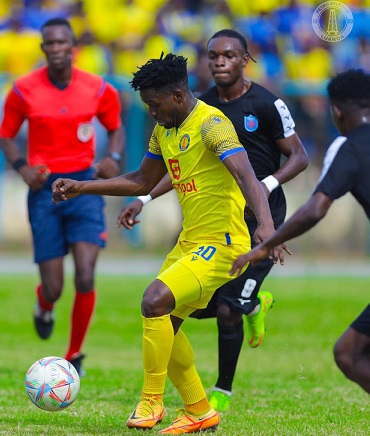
(212, 203)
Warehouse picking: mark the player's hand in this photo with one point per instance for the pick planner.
(129, 213)
(34, 176)
(107, 168)
(258, 253)
(63, 189)
(277, 254)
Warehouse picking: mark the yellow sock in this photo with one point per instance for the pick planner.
(200, 408)
(182, 371)
(158, 397)
(158, 339)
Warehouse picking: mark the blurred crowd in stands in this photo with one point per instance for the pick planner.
(116, 36)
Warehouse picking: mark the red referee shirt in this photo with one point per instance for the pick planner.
(60, 129)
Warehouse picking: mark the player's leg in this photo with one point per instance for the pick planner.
(85, 233)
(49, 249)
(198, 414)
(85, 255)
(182, 282)
(158, 336)
(210, 265)
(352, 351)
(236, 298)
(47, 293)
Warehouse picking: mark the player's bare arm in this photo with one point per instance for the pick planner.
(139, 182)
(297, 159)
(306, 217)
(33, 176)
(132, 209)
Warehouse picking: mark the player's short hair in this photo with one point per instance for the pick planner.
(231, 33)
(351, 87)
(58, 21)
(165, 74)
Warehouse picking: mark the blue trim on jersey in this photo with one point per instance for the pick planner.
(153, 156)
(17, 91)
(231, 152)
(102, 88)
(228, 239)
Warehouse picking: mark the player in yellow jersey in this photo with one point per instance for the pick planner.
(210, 170)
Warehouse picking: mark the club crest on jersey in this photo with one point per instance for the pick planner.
(250, 123)
(184, 142)
(85, 132)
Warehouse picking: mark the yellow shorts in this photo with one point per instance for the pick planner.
(193, 272)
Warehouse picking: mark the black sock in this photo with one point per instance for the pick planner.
(230, 340)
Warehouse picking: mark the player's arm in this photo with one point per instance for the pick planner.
(296, 162)
(139, 182)
(34, 176)
(241, 169)
(109, 114)
(13, 118)
(109, 166)
(306, 217)
(128, 214)
(280, 123)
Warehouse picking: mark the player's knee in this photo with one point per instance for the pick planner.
(84, 282)
(343, 358)
(51, 291)
(226, 316)
(157, 303)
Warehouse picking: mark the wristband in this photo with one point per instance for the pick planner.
(145, 199)
(19, 163)
(115, 156)
(271, 183)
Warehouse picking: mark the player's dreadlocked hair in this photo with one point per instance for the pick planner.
(165, 74)
(351, 87)
(230, 33)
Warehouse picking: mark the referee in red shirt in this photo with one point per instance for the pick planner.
(59, 101)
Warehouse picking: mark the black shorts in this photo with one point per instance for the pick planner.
(240, 294)
(362, 323)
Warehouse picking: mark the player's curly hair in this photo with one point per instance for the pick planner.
(165, 74)
(351, 87)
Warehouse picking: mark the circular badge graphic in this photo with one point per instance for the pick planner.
(332, 21)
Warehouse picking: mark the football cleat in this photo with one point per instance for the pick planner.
(256, 323)
(77, 363)
(220, 401)
(148, 413)
(186, 423)
(44, 321)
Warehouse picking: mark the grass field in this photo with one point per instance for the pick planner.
(288, 386)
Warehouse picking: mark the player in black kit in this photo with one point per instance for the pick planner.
(266, 129)
(345, 169)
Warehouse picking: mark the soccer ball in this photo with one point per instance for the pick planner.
(52, 383)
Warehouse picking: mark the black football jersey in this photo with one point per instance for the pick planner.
(259, 118)
(346, 167)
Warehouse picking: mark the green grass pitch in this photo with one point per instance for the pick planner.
(288, 386)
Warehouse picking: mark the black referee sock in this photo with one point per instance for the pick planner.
(230, 340)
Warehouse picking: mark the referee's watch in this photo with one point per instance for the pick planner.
(115, 156)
